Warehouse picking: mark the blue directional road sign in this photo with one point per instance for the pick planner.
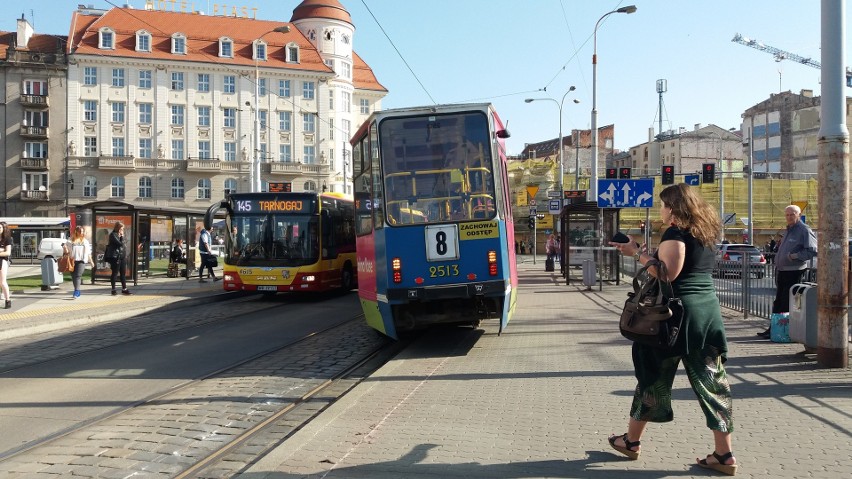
(691, 180)
(638, 193)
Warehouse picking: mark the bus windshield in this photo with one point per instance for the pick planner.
(437, 168)
(273, 240)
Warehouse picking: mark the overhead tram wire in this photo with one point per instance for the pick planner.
(398, 52)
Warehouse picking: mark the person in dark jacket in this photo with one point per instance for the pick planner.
(687, 248)
(115, 255)
(796, 248)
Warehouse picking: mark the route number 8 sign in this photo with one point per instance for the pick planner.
(442, 242)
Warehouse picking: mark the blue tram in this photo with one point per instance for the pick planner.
(433, 218)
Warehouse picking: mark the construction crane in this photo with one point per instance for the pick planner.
(784, 55)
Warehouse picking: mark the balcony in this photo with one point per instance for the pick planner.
(34, 131)
(203, 164)
(37, 101)
(35, 195)
(34, 164)
(116, 163)
(235, 166)
(281, 168)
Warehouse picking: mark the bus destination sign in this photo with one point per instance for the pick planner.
(283, 187)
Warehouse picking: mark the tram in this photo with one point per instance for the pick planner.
(287, 242)
(433, 218)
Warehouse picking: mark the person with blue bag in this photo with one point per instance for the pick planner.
(797, 247)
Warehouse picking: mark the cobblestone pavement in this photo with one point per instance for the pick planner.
(540, 399)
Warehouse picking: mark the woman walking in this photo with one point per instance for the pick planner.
(115, 254)
(81, 252)
(687, 249)
(5, 255)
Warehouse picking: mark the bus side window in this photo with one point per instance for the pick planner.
(329, 249)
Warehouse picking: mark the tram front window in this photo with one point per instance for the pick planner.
(275, 240)
(437, 168)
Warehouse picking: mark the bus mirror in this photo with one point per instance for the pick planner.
(503, 134)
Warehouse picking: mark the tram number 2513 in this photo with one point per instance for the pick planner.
(442, 242)
(444, 271)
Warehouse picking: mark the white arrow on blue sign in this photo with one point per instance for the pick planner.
(691, 180)
(638, 193)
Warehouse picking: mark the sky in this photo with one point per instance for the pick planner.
(505, 51)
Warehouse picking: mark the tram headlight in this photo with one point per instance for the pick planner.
(396, 267)
(492, 263)
(309, 278)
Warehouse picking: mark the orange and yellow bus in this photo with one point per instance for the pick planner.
(288, 242)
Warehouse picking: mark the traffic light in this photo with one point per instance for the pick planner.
(709, 172)
(642, 227)
(531, 223)
(624, 173)
(611, 173)
(668, 174)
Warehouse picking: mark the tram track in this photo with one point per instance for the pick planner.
(198, 428)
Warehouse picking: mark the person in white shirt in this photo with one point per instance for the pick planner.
(81, 252)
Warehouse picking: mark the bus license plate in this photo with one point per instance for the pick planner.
(267, 288)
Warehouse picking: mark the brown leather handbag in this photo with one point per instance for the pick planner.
(652, 315)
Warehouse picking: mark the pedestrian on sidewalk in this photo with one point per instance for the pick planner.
(797, 247)
(687, 249)
(81, 252)
(115, 254)
(207, 257)
(5, 262)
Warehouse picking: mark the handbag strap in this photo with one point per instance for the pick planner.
(643, 289)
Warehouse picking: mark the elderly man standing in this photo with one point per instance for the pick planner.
(798, 245)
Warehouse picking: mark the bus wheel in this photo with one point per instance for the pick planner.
(346, 278)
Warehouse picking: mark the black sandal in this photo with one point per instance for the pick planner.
(629, 446)
(729, 469)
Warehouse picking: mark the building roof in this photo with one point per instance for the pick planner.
(331, 9)
(40, 43)
(363, 77)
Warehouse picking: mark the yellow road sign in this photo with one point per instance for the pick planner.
(801, 204)
(532, 190)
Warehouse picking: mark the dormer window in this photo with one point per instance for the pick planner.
(345, 39)
(106, 38)
(329, 34)
(260, 50)
(293, 53)
(226, 47)
(179, 44)
(143, 41)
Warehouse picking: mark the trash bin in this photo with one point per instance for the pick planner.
(804, 322)
(48, 251)
(589, 273)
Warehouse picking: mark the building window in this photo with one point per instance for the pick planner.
(143, 41)
(177, 188)
(145, 147)
(262, 116)
(259, 50)
(230, 84)
(347, 101)
(90, 110)
(331, 100)
(177, 115)
(90, 187)
(331, 129)
(34, 182)
(145, 112)
(118, 147)
(230, 151)
(178, 44)
(106, 39)
(35, 87)
(204, 189)
(35, 150)
(308, 122)
(118, 77)
(310, 186)
(330, 64)
(177, 150)
(346, 126)
(203, 82)
(308, 156)
(293, 53)
(284, 88)
(308, 90)
(284, 120)
(261, 86)
(203, 116)
(90, 146)
(285, 154)
(145, 190)
(204, 149)
(35, 118)
(226, 47)
(347, 70)
(116, 187)
(230, 117)
(90, 76)
(118, 112)
(177, 81)
(345, 39)
(365, 106)
(230, 186)
(144, 78)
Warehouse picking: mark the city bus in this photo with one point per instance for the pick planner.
(433, 218)
(287, 242)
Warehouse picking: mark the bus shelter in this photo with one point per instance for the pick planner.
(585, 231)
(150, 234)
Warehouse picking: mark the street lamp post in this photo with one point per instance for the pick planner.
(593, 182)
(255, 167)
(559, 105)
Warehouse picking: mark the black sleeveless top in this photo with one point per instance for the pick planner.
(699, 259)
